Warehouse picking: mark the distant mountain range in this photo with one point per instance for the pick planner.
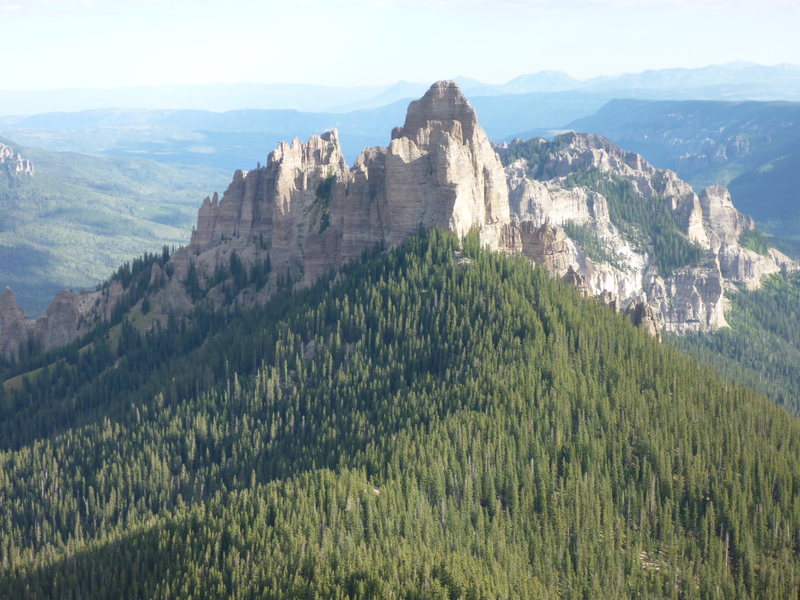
(183, 125)
(236, 139)
(733, 81)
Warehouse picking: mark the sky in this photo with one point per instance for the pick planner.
(57, 44)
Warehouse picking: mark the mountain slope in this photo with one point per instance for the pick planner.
(75, 218)
(443, 422)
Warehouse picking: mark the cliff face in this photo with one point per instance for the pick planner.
(569, 183)
(281, 205)
(311, 213)
(441, 169)
(636, 237)
(13, 325)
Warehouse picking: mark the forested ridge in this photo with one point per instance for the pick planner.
(442, 422)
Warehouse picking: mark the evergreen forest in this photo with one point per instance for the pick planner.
(442, 422)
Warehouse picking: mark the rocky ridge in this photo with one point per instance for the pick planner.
(439, 170)
(70, 316)
(549, 192)
(307, 213)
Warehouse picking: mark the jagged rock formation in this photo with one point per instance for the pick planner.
(313, 214)
(70, 316)
(724, 223)
(308, 214)
(15, 161)
(441, 169)
(644, 316)
(553, 188)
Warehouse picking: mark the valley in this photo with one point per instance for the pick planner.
(72, 219)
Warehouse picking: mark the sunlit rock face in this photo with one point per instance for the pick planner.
(546, 192)
(312, 213)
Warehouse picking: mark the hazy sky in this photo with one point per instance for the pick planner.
(107, 43)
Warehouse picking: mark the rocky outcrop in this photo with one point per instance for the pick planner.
(14, 325)
(786, 264)
(724, 223)
(691, 300)
(61, 322)
(70, 316)
(283, 209)
(441, 170)
(540, 203)
(15, 161)
(312, 214)
(643, 315)
(545, 189)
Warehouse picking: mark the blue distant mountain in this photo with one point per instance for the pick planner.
(733, 81)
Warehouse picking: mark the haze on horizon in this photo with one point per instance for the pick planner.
(63, 44)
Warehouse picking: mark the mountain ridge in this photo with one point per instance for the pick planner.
(669, 253)
(441, 421)
(732, 80)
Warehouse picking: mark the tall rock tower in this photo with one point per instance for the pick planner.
(313, 214)
(441, 169)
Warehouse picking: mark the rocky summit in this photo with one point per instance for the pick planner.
(636, 237)
(315, 214)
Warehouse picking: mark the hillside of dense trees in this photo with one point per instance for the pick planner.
(762, 346)
(442, 422)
